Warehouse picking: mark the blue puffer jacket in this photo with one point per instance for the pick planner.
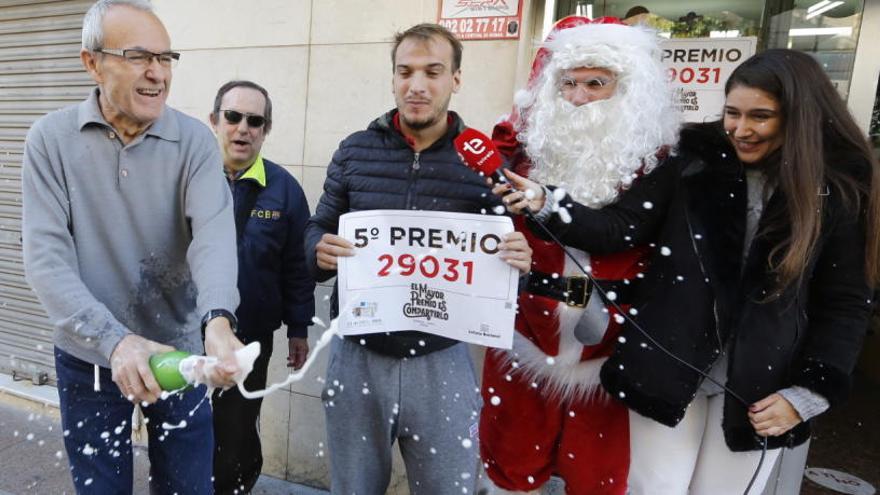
(376, 169)
(270, 216)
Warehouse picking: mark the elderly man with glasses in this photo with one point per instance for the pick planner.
(275, 286)
(129, 242)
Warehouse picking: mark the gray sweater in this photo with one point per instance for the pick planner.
(120, 239)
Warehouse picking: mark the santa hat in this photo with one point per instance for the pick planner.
(631, 52)
(606, 43)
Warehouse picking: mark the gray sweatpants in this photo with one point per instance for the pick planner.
(430, 404)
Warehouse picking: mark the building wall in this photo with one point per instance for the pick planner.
(327, 67)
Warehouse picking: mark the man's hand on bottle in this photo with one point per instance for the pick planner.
(130, 367)
(221, 342)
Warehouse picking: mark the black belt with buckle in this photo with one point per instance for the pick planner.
(574, 291)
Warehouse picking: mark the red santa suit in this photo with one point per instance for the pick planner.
(544, 411)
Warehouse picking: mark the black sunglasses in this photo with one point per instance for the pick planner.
(234, 117)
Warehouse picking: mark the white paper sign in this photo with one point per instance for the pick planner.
(431, 271)
(698, 69)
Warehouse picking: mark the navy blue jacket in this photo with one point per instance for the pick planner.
(275, 286)
(376, 169)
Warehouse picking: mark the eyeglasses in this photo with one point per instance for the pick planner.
(143, 58)
(568, 85)
(234, 117)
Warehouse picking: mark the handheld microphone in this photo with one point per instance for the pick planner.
(480, 154)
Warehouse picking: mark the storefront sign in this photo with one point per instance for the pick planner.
(431, 271)
(698, 69)
(481, 19)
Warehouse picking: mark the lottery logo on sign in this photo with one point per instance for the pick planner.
(364, 310)
(426, 303)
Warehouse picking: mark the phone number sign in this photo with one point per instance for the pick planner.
(430, 271)
(481, 19)
(698, 68)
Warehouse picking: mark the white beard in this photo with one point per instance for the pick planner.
(594, 151)
(591, 151)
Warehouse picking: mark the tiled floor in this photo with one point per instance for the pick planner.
(848, 438)
(32, 458)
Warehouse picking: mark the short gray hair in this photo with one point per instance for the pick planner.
(93, 29)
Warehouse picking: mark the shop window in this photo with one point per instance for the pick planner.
(679, 19)
(828, 29)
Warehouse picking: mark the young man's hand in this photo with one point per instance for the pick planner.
(515, 250)
(330, 248)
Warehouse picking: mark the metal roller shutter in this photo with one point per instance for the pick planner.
(40, 71)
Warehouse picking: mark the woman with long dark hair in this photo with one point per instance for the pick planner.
(767, 233)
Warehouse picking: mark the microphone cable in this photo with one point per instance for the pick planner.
(645, 334)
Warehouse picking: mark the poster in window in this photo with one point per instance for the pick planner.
(698, 68)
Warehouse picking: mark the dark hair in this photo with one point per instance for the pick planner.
(820, 142)
(218, 100)
(637, 10)
(424, 32)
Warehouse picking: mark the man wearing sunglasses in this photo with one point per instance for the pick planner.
(129, 242)
(275, 286)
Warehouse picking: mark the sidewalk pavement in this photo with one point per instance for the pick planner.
(33, 461)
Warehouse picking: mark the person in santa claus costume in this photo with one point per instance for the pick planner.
(596, 115)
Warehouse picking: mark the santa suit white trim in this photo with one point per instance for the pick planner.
(563, 376)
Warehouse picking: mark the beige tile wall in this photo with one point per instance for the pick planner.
(326, 64)
(349, 86)
(197, 24)
(282, 70)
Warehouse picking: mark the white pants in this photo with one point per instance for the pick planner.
(692, 457)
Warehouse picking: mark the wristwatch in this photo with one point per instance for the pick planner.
(214, 313)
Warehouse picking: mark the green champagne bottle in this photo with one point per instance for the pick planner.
(166, 369)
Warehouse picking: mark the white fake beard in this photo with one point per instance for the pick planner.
(592, 151)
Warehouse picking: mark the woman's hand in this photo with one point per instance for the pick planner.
(520, 193)
(773, 415)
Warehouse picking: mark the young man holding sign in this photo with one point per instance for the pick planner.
(414, 387)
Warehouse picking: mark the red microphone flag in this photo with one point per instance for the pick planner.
(479, 152)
